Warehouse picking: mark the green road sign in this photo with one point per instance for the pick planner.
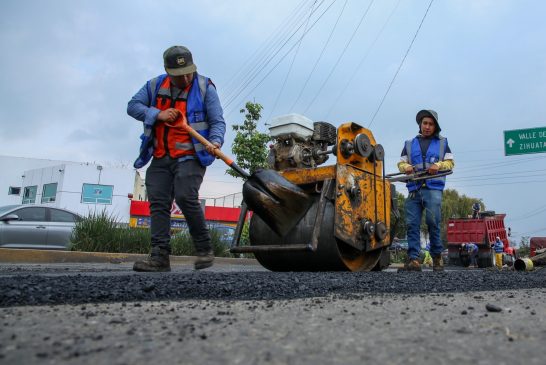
(523, 141)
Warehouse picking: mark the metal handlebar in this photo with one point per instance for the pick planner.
(416, 176)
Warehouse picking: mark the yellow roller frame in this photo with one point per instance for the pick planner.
(361, 195)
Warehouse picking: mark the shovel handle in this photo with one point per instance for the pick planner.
(217, 152)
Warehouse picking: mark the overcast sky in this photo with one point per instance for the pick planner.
(68, 69)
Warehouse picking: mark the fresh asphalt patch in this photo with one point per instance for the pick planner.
(80, 288)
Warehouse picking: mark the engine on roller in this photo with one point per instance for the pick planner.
(299, 142)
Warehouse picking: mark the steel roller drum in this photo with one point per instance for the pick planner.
(331, 254)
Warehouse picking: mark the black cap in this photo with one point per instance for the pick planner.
(178, 61)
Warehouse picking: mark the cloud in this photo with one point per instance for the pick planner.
(80, 135)
(69, 68)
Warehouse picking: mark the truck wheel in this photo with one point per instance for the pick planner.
(465, 261)
(453, 259)
(485, 261)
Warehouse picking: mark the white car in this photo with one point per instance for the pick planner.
(35, 226)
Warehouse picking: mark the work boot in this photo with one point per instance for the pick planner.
(157, 261)
(437, 263)
(204, 259)
(411, 265)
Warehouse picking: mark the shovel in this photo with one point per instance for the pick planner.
(278, 202)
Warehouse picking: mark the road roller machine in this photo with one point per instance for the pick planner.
(346, 227)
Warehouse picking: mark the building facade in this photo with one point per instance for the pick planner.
(82, 188)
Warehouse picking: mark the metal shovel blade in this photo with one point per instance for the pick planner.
(278, 202)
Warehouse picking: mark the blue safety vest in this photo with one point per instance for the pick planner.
(472, 247)
(498, 247)
(196, 114)
(435, 153)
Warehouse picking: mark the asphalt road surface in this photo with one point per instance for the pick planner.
(106, 314)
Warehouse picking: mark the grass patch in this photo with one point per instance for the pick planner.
(100, 232)
(399, 256)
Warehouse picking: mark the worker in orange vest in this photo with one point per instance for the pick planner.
(164, 104)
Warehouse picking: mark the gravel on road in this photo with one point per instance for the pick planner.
(80, 288)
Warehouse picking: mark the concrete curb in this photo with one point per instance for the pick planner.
(12, 256)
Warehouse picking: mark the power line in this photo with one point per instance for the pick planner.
(477, 160)
(530, 213)
(538, 230)
(281, 59)
(498, 176)
(269, 59)
(501, 164)
(512, 161)
(268, 54)
(401, 63)
(471, 166)
(529, 216)
(350, 79)
(320, 56)
(495, 165)
(482, 150)
(340, 57)
(504, 180)
(516, 172)
(291, 64)
(278, 41)
(253, 58)
(506, 183)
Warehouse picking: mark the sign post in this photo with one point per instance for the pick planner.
(524, 141)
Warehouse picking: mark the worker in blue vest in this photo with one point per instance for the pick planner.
(427, 151)
(476, 210)
(498, 247)
(471, 250)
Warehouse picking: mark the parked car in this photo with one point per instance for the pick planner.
(226, 233)
(223, 232)
(35, 226)
(399, 245)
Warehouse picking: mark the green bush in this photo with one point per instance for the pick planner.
(100, 232)
(245, 241)
(182, 244)
(399, 256)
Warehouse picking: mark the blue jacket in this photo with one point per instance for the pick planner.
(436, 152)
(472, 248)
(498, 246)
(142, 107)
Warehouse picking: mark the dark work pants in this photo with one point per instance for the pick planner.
(168, 179)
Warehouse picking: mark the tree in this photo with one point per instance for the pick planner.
(524, 246)
(250, 145)
(398, 225)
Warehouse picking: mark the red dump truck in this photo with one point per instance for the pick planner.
(536, 243)
(482, 231)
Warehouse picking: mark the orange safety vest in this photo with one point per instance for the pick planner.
(172, 141)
